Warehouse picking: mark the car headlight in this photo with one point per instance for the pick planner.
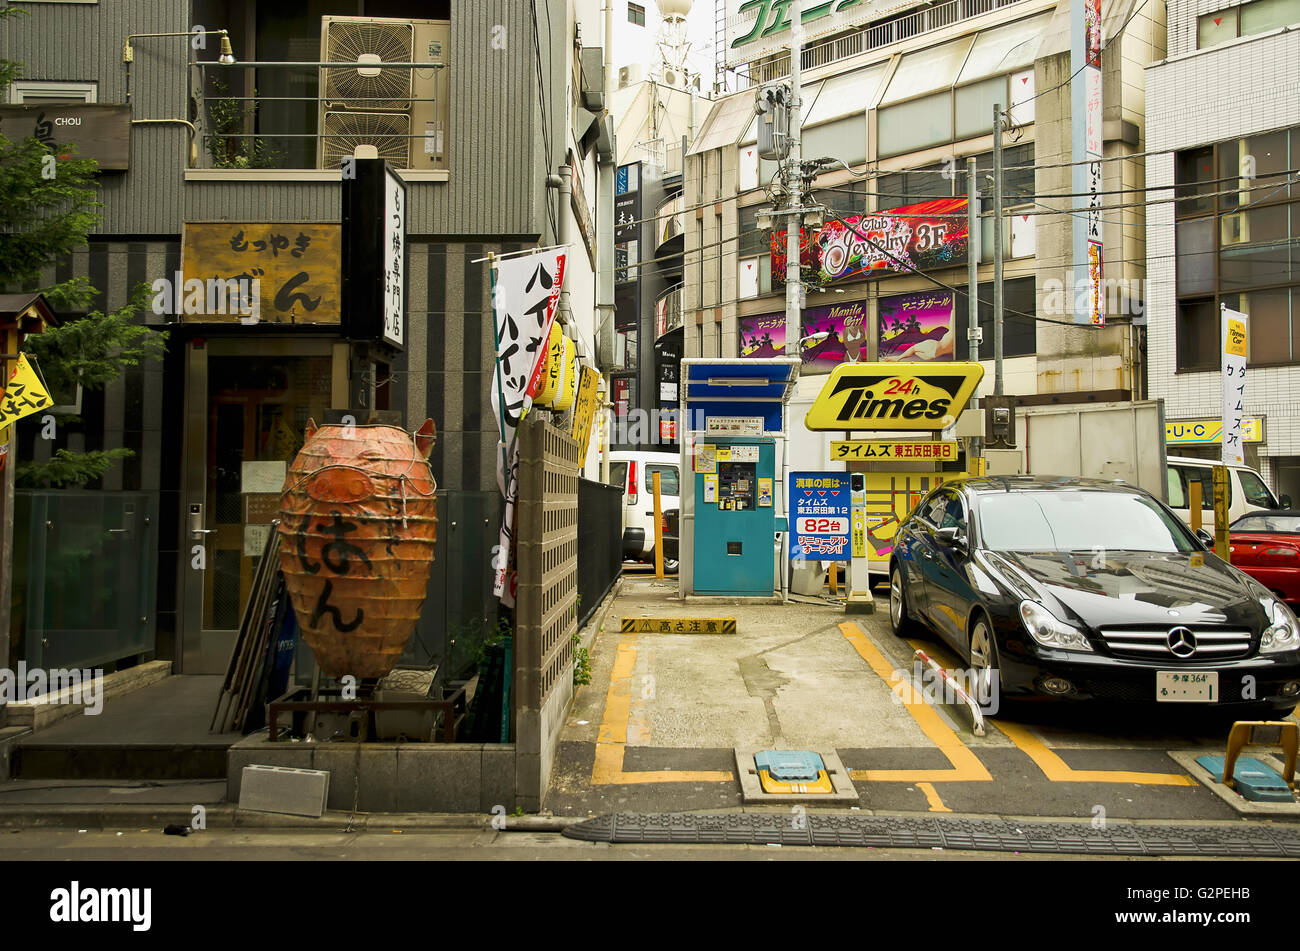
(1282, 633)
(1049, 630)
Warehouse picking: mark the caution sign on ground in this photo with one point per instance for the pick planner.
(679, 625)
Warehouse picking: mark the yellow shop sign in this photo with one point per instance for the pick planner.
(885, 396)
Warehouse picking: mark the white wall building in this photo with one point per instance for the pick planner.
(1224, 123)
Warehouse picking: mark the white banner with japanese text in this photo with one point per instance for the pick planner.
(1235, 347)
(525, 296)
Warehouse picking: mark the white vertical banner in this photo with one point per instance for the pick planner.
(525, 296)
(1235, 337)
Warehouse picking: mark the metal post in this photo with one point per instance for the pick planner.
(794, 198)
(997, 249)
(659, 529)
(973, 243)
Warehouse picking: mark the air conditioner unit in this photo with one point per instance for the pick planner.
(403, 112)
(628, 76)
(670, 78)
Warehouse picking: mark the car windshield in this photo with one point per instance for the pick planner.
(1057, 520)
(1288, 524)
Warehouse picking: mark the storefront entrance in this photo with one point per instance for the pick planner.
(247, 403)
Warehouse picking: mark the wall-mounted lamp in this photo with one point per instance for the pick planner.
(227, 57)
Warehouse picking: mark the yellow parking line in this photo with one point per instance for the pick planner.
(966, 766)
(1055, 768)
(611, 740)
(1052, 766)
(932, 797)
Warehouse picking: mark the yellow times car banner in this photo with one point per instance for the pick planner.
(886, 396)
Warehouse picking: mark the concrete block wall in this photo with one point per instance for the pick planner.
(395, 777)
(1229, 91)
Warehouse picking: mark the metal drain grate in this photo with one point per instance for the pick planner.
(901, 832)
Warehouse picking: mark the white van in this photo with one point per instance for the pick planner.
(1246, 490)
(635, 471)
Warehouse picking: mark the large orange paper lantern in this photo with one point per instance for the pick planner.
(358, 523)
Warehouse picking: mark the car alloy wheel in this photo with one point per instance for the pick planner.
(899, 620)
(983, 655)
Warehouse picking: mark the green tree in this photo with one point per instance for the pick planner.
(46, 211)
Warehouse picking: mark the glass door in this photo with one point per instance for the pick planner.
(249, 402)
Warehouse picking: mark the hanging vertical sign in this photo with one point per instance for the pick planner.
(1235, 348)
(1086, 153)
(394, 333)
(525, 296)
(374, 252)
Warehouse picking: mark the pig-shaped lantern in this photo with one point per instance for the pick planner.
(358, 523)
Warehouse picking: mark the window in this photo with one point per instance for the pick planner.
(1177, 498)
(636, 14)
(1203, 475)
(1019, 334)
(667, 479)
(34, 92)
(1254, 489)
(1245, 20)
(933, 508)
(1237, 243)
(915, 125)
(954, 516)
(618, 475)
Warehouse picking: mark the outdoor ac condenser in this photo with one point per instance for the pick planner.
(404, 113)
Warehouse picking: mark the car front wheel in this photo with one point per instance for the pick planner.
(983, 656)
(900, 618)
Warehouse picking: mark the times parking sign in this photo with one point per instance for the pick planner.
(819, 516)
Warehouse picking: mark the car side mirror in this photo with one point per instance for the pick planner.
(950, 538)
(1206, 539)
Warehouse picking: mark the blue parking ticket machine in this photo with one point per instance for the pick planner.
(733, 527)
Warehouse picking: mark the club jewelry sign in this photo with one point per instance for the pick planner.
(909, 238)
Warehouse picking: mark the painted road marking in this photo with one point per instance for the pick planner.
(932, 797)
(612, 738)
(1055, 769)
(966, 766)
(679, 625)
(1051, 765)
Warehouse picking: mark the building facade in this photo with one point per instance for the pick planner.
(236, 169)
(1224, 222)
(903, 101)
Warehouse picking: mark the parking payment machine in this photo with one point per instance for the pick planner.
(733, 508)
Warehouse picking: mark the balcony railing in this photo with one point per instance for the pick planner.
(314, 131)
(900, 28)
(670, 222)
(669, 310)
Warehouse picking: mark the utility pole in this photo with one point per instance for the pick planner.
(973, 331)
(997, 249)
(794, 193)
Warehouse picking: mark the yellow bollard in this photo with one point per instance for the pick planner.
(659, 531)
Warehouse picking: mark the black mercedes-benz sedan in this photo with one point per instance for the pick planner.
(1081, 589)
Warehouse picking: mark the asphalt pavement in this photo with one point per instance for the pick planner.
(657, 728)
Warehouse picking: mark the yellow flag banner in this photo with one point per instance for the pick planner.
(25, 393)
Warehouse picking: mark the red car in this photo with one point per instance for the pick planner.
(1266, 545)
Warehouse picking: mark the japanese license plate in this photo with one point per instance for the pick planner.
(1183, 686)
